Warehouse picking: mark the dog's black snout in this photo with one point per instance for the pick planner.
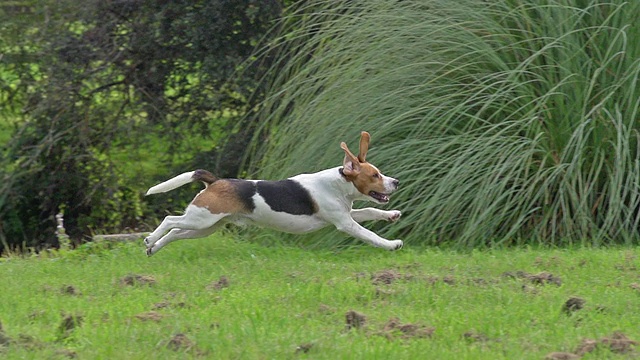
(396, 183)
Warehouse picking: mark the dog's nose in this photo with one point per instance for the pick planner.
(395, 183)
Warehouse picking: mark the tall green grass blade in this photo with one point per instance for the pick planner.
(505, 120)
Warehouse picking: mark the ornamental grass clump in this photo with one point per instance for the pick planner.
(506, 121)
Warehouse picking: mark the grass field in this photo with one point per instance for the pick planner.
(225, 298)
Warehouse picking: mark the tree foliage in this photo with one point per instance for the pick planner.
(92, 76)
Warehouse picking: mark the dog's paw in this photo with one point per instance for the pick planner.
(149, 251)
(148, 242)
(396, 245)
(394, 215)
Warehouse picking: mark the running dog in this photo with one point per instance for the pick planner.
(300, 204)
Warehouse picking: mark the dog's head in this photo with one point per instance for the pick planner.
(365, 177)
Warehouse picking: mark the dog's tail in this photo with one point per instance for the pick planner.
(183, 179)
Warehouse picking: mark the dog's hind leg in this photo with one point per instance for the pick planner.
(194, 218)
(181, 234)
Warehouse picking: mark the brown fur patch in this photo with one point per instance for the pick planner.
(221, 197)
(366, 180)
(204, 176)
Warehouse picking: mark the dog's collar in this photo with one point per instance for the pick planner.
(341, 171)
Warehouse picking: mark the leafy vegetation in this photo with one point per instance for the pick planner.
(94, 88)
(507, 122)
(223, 298)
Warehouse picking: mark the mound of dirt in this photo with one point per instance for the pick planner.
(586, 346)
(167, 304)
(66, 353)
(355, 320)
(542, 278)
(385, 277)
(222, 283)
(617, 343)
(573, 304)
(69, 322)
(447, 279)
(474, 336)
(31, 343)
(561, 356)
(150, 316)
(136, 279)
(4, 339)
(69, 290)
(394, 328)
(180, 342)
(304, 348)
(326, 309)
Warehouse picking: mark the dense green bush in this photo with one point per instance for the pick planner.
(111, 97)
(506, 121)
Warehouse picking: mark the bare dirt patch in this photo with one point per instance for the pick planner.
(24, 341)
(304, 348)
(220, 284)
(573, 304)
(137, 280)
(542, 278)
(68, 323)
(150, 316)
(30, 343)
(67, 353)
(629, 263)
(180, 342)
(36, 314)
(586, 346)
(447, 279)
(561, 356)
(326, 309)
(355, 320)
(617, 343)
(167, 304)
(383, 294)
(70, 290)
(394, 328)
(4, 339)
(474, 336)
(385, 277)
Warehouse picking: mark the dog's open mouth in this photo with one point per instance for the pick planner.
(379, 196)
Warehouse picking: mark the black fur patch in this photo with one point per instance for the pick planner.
(287, 196)
(245, 190)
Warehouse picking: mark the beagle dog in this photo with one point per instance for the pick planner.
(300, 204)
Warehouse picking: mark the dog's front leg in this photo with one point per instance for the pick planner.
(354, 229)
(369, 213)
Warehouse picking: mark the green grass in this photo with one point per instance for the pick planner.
(281, 297)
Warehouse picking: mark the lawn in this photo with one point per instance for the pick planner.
(227, 298)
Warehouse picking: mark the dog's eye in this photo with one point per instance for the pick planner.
(376, 175)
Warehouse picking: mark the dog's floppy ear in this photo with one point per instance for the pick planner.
(351, 163)
(364, 146)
